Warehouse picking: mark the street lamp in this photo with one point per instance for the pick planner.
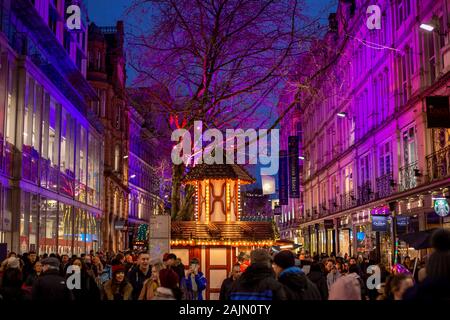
(301, 157)
(132, 176)
(426, 26)
(342, 114)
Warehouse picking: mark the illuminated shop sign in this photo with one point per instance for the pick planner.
(379, 223)
(441, 207)
(380, 211)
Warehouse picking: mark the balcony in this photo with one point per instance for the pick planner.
(438, 164)
(348, 200)
(333, 206)
(315, 213)
(409, 176)
(385, 186)
(323, 210)
(365, 193)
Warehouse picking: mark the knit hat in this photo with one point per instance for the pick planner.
(168, 278)
(284, 259)
(260, 256)
(118, 268)
(12, 263)
(54, 262)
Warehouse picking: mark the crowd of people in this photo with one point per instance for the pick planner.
(285, 276)
(262, 275)
(98, 276)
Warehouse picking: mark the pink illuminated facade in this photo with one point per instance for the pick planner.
(366, 142)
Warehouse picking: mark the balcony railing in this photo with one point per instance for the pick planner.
(438, 164)
(323, 210)
(385, 186)
(365, 193)
(409, 176)
(333, 206)
(348, 200)
(315, 213)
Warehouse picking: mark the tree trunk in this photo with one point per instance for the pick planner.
(177, 175)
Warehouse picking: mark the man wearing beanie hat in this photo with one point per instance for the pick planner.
(51, 286)
(436, 284)
(258, 281)
(296, 284)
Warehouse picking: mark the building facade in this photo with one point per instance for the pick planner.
(144, 182)
(256, 206)
(369, 151)
(106, 74)
(51, 147)
(291, 126)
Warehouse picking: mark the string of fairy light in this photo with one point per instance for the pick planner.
(220, 243)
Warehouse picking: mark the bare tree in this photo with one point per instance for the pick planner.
(222, 61)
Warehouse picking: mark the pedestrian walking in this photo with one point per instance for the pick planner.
(139, 273)
(347, 287)
(258, 281)
(151, 284)
(168, 289)
(436, 282)
(227, 284)
(396, 286)
(89, 290)
(334, 274)
(317, 276)
(118, 288)
(296, 283)
(51, 286)
(11, 284)
(194, 281)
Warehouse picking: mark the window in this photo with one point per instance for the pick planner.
(431, 56)
(385, 159)
(99, 60)
(409, 146)
(117, 158)
(103, 103)
(364, 169)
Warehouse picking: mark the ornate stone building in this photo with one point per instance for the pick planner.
(106, 73)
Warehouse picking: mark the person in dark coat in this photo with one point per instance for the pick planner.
(51, 286)
(227, 284)
(89, 290)
(258, 281)
(11, 284)
(318, 278)
(139, 273)
(436, 284)
(296, 283)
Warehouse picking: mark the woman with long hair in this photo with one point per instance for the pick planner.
(151, 284)
(118, 288)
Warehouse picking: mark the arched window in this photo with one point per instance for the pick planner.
(116, 158)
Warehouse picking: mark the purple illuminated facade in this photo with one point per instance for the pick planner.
(51, 147)
(366, 141)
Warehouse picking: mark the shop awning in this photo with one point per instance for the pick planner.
(418, 240)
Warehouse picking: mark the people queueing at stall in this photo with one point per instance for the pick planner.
(261, 275)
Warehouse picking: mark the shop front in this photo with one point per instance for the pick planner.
(344, 236)
(51, 226)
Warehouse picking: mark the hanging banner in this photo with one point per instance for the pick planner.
(282, 178)
(379, 223)
(438, 112)
(294, 174)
